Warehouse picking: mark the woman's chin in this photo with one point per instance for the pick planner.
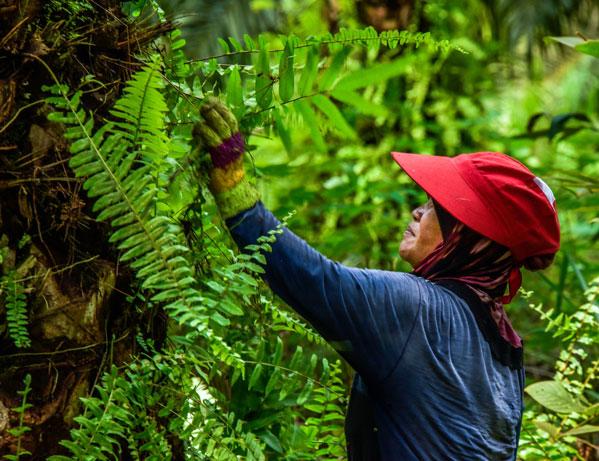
(405, 253)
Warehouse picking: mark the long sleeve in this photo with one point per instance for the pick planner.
(367, 315)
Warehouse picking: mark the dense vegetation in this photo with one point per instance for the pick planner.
(130, 325)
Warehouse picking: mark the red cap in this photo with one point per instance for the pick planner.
(493, 194)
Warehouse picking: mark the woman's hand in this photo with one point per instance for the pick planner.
(219, 133)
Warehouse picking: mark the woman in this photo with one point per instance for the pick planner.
(438, 365)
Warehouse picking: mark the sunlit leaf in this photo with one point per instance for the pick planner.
(553, 395)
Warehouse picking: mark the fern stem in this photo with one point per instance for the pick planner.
(347, 41)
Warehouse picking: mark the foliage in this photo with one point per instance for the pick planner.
(590, 47)
(232, 380)
(310, 74)
(125, 163)
(16, 309)
(570, 406)
(21, 429)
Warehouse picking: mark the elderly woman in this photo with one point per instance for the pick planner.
(438, 365)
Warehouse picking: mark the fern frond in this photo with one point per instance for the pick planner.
(16, 310)
(326, 425)
(118, 162)
(21, 429)
(367, 37)
(117, 418)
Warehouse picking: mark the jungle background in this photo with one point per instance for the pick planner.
(130, 325)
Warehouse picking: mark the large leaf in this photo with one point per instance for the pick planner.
(234, 89)
(359, 102)
(375, 74)
(554, 396)
(263, 80)
(590, 47)
(328, 108)
(584, 429)
(309, 72)
(286, 72)
(310, 119)
(332, 73)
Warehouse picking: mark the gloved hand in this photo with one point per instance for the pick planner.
(219, 133)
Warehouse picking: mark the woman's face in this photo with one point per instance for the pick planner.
(422, 236)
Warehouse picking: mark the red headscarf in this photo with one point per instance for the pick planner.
(482, 264)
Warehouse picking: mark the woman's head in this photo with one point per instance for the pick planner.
(492, 194)
(488, 216)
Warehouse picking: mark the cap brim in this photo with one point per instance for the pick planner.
(439, 177)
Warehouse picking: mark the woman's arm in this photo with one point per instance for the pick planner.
(367, 315)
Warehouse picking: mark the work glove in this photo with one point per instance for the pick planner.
(218, 132)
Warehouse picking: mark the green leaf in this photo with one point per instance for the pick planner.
(375, 74)
(249, 42)
(255, 376)
(332, 73)
(553, 395)
(230, 308)
(309, 72)
(272, 381)
(584, 429)
(286, 72)
(224, 45)
(305, 393)
(264, 81)
(359, 102)
(325, 105)
(234, 89)
(236, 45)
(309, 117)
(282, 130)
(272, 441)
(590, 47)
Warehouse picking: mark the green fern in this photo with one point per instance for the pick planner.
(16, 310)
(119, 162)
(367, 37)
(326, 424)
(568, 400)
(21, 429)
(118, 419)
(307, 80)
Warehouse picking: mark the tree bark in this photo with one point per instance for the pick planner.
(78, 320)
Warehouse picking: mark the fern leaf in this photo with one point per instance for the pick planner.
(16, 310)
(118, 162)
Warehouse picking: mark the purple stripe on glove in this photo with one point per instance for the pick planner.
(230, 150)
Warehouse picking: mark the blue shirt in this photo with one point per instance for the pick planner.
(427, 386)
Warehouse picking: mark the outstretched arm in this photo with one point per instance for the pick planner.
(366, 315)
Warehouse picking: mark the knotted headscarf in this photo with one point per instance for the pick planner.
(483, 265)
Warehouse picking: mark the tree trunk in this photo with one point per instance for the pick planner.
(52, 249)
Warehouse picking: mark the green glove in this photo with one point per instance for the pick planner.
(219, 132)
